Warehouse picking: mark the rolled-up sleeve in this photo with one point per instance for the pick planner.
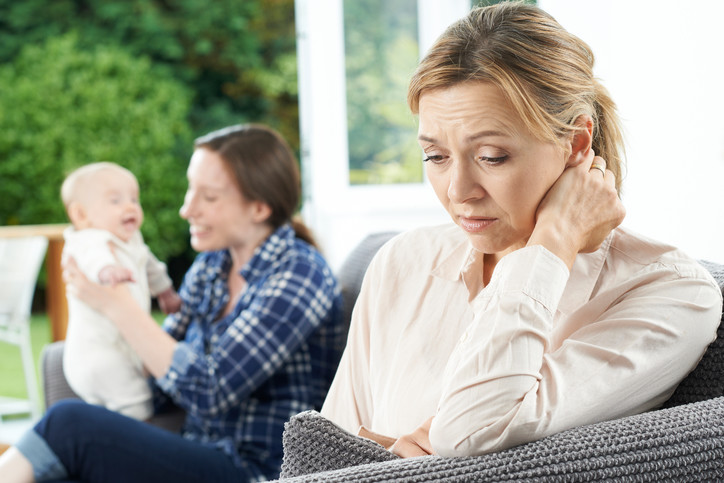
(514, 377)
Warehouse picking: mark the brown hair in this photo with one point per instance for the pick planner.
(264, 168)
(545, 72)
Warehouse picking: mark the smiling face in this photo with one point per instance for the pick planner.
(219, 215)
(489, 172)
(109, 201)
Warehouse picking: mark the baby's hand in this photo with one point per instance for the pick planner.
(115, 274)
(169, 301)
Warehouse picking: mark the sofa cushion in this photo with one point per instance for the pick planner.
(706, 381)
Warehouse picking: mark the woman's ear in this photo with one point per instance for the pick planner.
(262, 212)
(580, 140)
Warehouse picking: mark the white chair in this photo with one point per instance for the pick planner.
(20, 260)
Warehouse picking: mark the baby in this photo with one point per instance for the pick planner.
(101, 200)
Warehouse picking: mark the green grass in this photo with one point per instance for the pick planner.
(12, 381)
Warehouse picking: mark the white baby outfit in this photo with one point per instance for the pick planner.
(98, 363)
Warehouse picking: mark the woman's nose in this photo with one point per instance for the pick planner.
(464, 184)
(186, 209)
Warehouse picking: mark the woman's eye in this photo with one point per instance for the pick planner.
(435, 159)
(493, 160)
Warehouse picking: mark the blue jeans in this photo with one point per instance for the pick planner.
(76, 441)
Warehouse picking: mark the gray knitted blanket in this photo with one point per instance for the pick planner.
(685, 443)
(682, 442)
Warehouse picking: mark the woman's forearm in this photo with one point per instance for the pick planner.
(152, 344)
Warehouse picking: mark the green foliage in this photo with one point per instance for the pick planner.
(62, 106)
(238, 57)
(217, 63)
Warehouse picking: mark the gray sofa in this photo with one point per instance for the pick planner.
(684, 441)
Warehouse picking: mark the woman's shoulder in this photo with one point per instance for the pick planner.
(640, 252)
(300, 256)
(423, 247)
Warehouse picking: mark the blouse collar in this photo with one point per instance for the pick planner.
(464, 263)
(268, 253)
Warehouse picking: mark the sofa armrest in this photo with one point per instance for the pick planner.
(313, 443)
(55, 385)
(684, 443)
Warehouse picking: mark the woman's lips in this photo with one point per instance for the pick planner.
(198, 230)
(475, 225)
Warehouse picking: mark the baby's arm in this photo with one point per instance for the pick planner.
(161, 286)
(115, 274)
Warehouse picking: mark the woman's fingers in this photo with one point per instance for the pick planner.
(579, 210)
(599, 164)
(416, 443)
(71, 275)
(407, 447)
(604, 210)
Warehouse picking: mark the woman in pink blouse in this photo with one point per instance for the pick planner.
(535, 311)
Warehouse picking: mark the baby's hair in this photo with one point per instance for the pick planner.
(69, 189)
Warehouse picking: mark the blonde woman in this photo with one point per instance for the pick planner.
(535, 311)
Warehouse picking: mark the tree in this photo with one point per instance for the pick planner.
(238, 57)
(62, 106)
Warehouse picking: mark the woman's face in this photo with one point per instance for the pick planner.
(218, 214)
(487, 169)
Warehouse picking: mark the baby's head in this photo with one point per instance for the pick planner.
(104, 196)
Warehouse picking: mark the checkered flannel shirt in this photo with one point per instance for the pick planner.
(241, 377)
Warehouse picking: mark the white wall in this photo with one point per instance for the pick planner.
(663, 62)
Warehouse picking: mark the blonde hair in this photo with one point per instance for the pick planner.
(74, 182)
(545, 72)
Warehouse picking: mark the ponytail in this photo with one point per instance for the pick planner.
(302, 231)
(608, 136)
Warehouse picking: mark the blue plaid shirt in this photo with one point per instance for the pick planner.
(241, 377)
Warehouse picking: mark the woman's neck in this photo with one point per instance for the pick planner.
(490, 260)
(240, 256)
(242, 253)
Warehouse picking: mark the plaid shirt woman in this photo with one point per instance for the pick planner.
(242, 376)
(256, 341)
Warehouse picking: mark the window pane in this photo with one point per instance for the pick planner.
(381, 50)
